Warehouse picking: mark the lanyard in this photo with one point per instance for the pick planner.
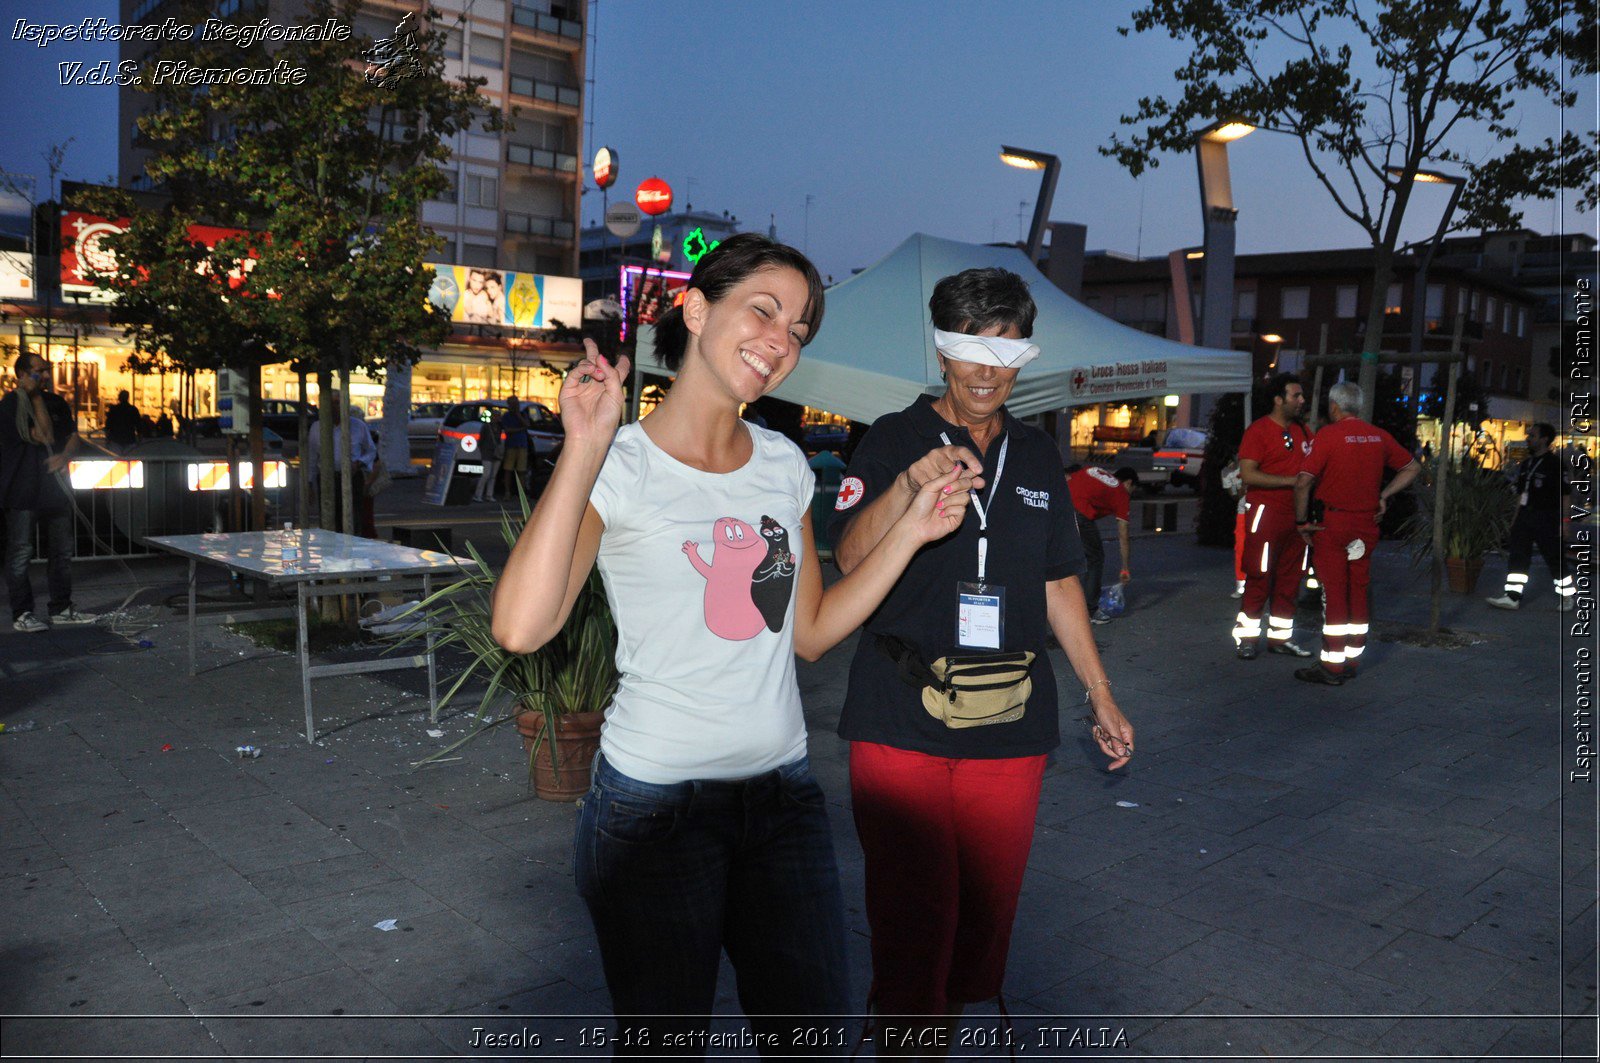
(978, 504)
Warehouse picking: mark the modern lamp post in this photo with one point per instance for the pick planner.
(1023, 159)
(1420, 288)
(1218, 215)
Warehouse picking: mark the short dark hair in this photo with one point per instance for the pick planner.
(725, 267)
(975, 300)
(1277, 385)
(22, 358)
(1126, 474)
(1545, 430)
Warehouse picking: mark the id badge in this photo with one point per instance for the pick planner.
(980, 616)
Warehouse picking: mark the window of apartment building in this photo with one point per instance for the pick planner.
(1522, 321)
(452, 44)
(1461, 302)
(1123, 308)
(1489, 307)
(1296, 303)
(1472, 306)
(1485, 369)
(1244, 305)
(541, 66)
(1152, 308)
(448, 194)
(1391, 299)
(1344, 301)
(1522, 380)
(482, 190)
(477, 255)
(1434, 307)
(1093, 302)
(1500, 376)
(487, 50)
(1505, 319)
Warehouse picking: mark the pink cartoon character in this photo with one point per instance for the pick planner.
(736, 552)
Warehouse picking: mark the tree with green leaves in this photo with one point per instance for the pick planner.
(1376, 91)
(326, 169)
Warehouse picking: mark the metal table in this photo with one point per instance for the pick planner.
(329, 564)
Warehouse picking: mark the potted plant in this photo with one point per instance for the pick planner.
(1479, 506)
(556, 696)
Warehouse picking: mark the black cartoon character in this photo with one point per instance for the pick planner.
(774, 577)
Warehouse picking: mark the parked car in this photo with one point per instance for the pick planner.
(821, 437)
(1182, 454)
(283, 416)
(463, 421)
(426, 418)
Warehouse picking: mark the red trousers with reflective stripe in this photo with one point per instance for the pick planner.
(1274, 561)
(1344, 585)
(946, 842)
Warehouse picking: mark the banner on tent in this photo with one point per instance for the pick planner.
(1144, 377)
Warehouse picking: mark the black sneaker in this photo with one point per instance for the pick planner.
(1247, 651)
(1319, 675)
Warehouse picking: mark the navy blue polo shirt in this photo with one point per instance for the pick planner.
(1033, 540)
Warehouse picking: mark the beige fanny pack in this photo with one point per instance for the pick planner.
(966, 691)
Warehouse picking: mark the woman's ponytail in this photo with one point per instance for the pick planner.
(672, 338)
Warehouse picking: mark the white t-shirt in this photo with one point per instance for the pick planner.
(700, 570)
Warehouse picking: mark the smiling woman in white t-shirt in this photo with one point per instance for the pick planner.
(704, 830)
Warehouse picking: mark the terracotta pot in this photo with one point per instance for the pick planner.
(577, 737)
(1462, 573)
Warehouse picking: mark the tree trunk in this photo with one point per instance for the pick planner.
(1440, 471)
(302, 499)
(258, 464)
(1372, 342)
(347, 498)
(327, 476)
(395, 446)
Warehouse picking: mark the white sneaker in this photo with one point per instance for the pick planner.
(28, 624)
(1238, 589)
(1566, 603)
(1099, 617)
(1505, 601)
(69, 616)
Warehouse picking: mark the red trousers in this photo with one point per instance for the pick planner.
(1344, 585)
(946, 842)
(1240, 526)
(1274, 560)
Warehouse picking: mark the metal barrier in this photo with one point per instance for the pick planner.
(120, 501)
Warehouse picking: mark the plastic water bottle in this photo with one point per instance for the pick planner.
(289, 547)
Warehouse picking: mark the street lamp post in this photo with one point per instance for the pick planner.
(1024, 159)
(1218, 215)
(1420, 286)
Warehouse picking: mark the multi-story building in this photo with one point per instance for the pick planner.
(513, 199)
(1283, 302)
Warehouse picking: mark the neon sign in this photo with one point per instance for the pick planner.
(695, 246)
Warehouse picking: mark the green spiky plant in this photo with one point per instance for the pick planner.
(1479, 506)
(574, 672)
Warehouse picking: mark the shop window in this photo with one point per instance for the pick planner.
(1296, 303)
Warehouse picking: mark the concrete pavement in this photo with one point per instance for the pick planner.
(1396, 868)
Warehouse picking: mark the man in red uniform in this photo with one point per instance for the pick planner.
(1346, 466)
(1097, 493)
(1274, 557)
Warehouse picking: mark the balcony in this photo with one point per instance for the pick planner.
(543, 228)
(559, 161)
(540, 22)
(545, 92)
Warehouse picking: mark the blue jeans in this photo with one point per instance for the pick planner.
(674, 874)
(58, 558)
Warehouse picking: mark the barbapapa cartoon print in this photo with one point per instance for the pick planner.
(736, 552)
(774, 577)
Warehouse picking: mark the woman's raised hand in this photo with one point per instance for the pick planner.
(591, 397)
(938, 508)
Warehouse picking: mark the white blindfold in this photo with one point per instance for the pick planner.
(997, 351)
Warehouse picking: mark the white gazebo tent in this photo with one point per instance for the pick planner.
(874, 354)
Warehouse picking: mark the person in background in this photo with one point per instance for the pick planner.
(1345, 467)
(1097, 493)
(38, 437)
(946, 812)
(1539, 489)
(363, 463)
(1234, 485)
(514, 458)
(1274, 557)
(164, 426)
(122, 423)
(490, 447)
